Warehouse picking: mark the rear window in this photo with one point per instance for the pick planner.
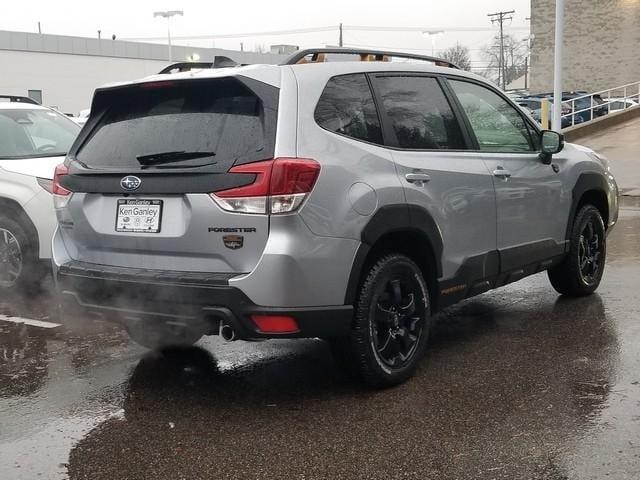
(346, 107)
(188, 124)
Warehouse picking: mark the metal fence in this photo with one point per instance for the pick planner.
(603, 102)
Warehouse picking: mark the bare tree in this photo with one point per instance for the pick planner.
(458, 55)
(515, 53)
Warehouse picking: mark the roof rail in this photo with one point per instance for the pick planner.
(365, 55)
(219, 61)
(19, 99)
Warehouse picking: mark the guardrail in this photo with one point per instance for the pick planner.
(626, 95)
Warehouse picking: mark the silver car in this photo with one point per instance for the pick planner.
(346, 200)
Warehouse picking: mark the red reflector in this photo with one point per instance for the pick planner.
(57, 189)
(275, 324)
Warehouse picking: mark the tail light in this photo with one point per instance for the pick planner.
(60, 194)
(281, 186)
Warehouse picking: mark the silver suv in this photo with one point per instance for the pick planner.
(346, 200)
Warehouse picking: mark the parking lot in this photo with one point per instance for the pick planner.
(519, 383)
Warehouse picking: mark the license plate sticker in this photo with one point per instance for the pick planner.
(139, 216)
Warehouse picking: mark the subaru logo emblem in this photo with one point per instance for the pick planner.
(130, 183)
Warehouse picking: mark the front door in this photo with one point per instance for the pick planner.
(532, 200)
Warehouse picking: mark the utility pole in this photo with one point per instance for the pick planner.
(501, 17)
(340, 37)
(557, 67)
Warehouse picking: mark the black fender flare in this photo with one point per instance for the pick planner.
(390, 219)
(586, 182)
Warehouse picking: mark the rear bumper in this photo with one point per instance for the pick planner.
(128, 295)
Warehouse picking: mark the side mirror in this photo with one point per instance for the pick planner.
(551, 142)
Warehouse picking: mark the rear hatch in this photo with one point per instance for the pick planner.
(142, 172)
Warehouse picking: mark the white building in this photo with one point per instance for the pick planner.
(63, 72)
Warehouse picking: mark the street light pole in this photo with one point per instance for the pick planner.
(557, 67)
(168, 14)
(433, 34)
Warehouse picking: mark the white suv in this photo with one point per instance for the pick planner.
(33, 140)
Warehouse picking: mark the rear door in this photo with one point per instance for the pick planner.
(142, 174)
(533, 201)
(439, 176)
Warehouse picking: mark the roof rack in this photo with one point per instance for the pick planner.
(219, 61)
(318, 55)
(19, 99)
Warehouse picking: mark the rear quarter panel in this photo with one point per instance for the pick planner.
(356, 177)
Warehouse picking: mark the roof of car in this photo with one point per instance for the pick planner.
(21, 106)
(271, 74)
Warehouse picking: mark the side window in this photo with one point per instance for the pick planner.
(498, 126)
(346, 106)
(420, 113)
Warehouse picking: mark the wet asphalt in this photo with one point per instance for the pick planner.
(519, 383)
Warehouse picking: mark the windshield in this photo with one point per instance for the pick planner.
(35, 133)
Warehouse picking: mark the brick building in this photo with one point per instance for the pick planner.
(601, 44)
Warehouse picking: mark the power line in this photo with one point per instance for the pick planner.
(326, 28)
(501, 17)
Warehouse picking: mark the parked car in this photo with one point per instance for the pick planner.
(82, 117)
(343, 200)
(33, 140)
(617, 104)
(534, 107)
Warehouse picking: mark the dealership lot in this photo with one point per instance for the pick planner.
(519, 383)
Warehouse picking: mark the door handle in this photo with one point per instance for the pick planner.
(417, 178)
(501, 173)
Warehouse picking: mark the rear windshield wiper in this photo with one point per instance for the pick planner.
(164, 158)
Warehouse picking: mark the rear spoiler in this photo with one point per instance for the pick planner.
(219, 61)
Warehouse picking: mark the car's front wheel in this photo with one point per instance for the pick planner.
(581, 271)
(391, 322)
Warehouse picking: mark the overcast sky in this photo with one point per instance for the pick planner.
(134, 19)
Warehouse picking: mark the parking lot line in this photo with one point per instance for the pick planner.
(30, 322)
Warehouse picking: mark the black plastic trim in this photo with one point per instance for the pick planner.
(515, 257)
(396, 218)
(127, 300)
(392, 219)
(90, 270)
(481, 273)
(159, 183)
(586, 182)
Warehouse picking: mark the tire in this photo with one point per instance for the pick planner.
(159, 335)
(581, 271)
(20, 267)
(391, 324)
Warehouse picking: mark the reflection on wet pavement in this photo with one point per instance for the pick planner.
(519, 383)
